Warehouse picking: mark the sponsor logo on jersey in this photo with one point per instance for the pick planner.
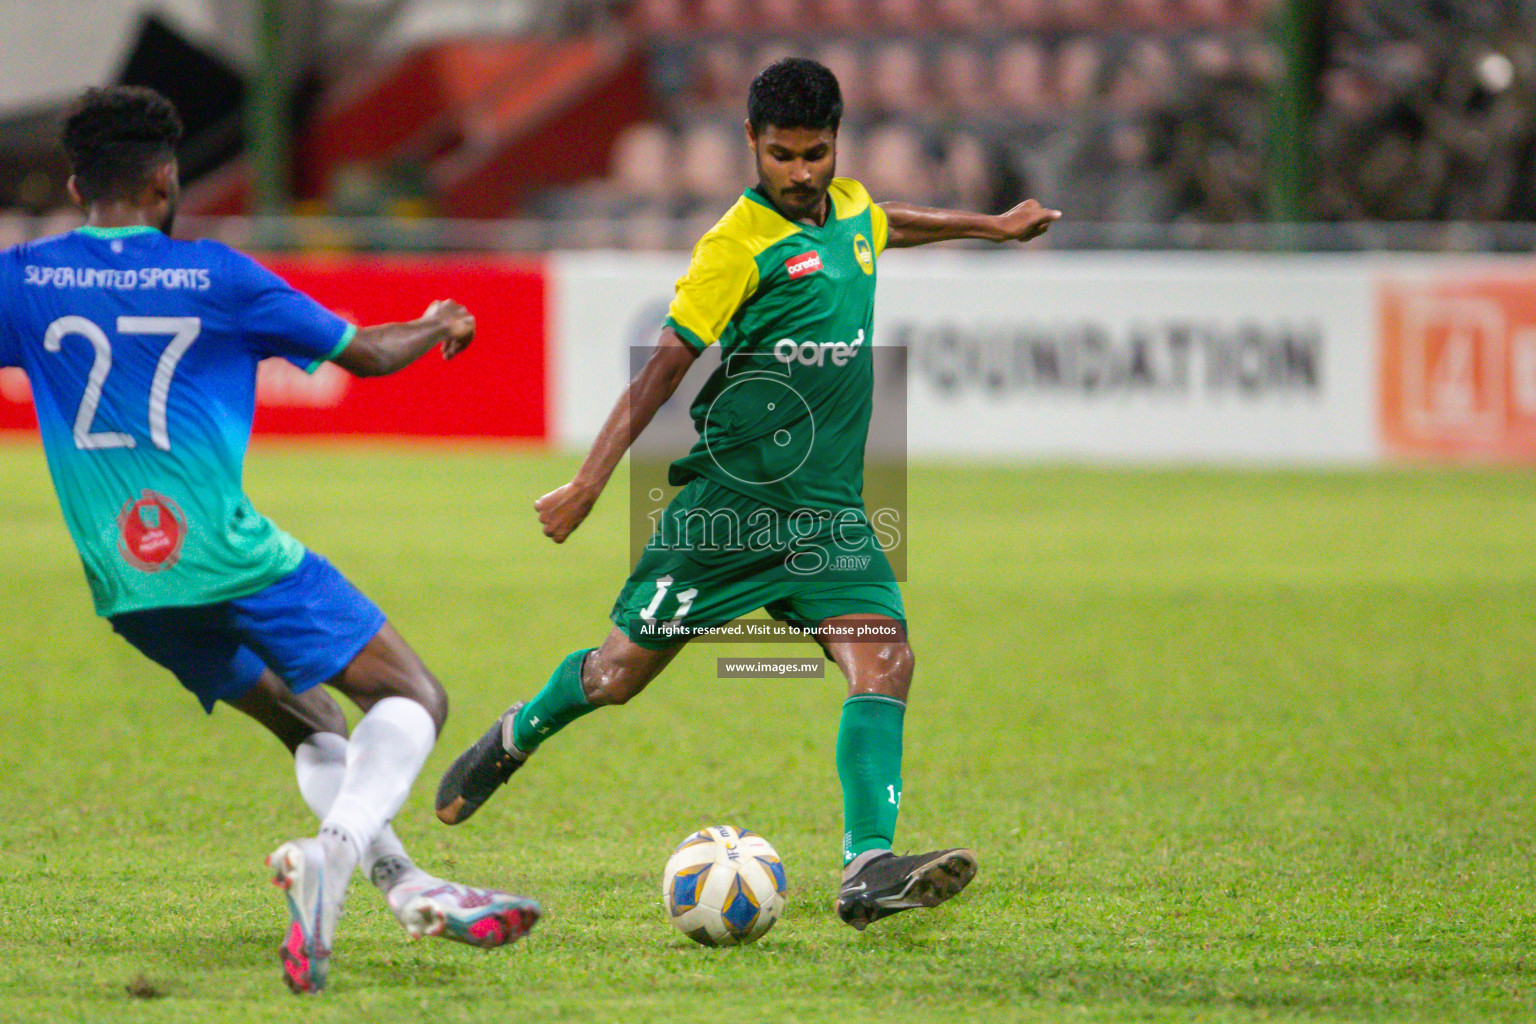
(196, 279)
(150, 532)
(805, 263)
(864, 253)
(808, 353)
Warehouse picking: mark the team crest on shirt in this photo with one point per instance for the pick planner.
(864, 254)
(805, 263)
(150, 532)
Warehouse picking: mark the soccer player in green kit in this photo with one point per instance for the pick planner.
(785, 284)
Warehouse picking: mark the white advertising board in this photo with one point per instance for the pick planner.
(600, 305)
(1143, 357)
(1070, 357)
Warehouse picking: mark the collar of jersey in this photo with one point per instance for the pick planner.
(132, 229)
(757, 197)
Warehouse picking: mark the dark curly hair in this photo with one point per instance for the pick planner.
(795, 93)
(116, 137)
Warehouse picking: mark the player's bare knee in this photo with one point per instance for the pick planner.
(606, 684)
(889, 672)
(421, 687)
(324, 715)
(429, 693)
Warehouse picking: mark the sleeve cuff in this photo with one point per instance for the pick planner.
(346, 339)
(689, 338)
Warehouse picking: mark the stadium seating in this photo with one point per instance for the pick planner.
(1152, 109)
(713, 163)
(970, 102)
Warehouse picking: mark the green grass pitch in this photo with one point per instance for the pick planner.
(1231, 746)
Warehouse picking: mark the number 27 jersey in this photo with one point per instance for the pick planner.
(141, 351)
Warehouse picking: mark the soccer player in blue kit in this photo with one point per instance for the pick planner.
(141, 351)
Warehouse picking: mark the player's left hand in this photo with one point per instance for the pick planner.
(1027, 220)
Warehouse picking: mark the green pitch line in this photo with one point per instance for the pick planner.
(1232, 746)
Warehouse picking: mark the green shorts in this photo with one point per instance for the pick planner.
(718, 556)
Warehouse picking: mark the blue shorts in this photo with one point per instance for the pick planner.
(306, 627)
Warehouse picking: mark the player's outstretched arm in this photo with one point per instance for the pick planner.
(563, 509)
(385, 348)
(918, 225)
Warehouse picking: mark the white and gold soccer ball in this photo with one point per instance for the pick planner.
(724, 886)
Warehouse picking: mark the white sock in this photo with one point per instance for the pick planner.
(385, 754)
(319, 764)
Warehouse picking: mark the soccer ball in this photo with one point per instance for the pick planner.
(724, 886)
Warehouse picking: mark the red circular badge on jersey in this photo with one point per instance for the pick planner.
(150, 532)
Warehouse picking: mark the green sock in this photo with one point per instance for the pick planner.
(869, 765)
(560, 703)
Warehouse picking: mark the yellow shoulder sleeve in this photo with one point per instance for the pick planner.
(882, 226)
(720, 277)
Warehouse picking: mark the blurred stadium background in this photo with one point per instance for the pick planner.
(602, 123)
(1222, 165)
(1239, 743)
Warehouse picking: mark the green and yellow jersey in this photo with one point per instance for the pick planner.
(785, 417)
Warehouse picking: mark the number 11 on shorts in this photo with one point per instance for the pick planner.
(684, 600)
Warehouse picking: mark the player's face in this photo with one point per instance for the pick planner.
(795, 168)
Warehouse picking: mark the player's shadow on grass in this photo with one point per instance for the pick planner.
(233, 948)
(413, 969)
(361, 962)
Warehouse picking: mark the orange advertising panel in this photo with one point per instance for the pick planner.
(1458, 366)
(495, 389)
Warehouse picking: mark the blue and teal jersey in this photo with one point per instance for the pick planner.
(141, 351)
